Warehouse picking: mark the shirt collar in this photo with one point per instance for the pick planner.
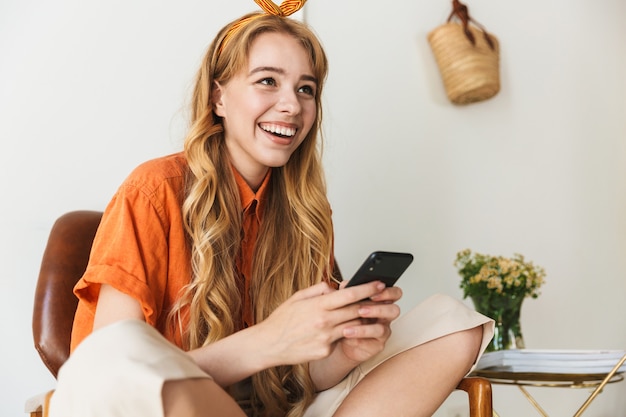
(249, 197)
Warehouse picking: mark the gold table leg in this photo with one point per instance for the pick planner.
(599, 388)
(532, 401)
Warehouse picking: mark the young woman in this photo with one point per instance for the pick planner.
(209, 290)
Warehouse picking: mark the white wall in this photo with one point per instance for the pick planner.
(90, 89)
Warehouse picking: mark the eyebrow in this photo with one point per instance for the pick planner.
(281, 71)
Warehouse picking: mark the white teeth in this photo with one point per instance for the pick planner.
(281, 130)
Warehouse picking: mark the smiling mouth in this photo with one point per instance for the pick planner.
(279, 131)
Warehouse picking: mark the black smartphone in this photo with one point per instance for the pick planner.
(382, 266)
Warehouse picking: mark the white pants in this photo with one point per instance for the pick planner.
(107, 376)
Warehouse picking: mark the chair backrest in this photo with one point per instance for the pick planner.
(64, 261)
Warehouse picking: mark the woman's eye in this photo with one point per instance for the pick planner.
(268, 81)
(307, 89)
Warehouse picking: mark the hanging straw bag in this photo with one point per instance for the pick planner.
(469, 61)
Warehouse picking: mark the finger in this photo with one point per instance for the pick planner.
(385, 312)
(350, 315)
(392, 294)
(340, 317)
(337, 332)
(378, 331)
(316, 290)
(352, 295)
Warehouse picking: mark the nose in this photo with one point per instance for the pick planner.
(288, 102)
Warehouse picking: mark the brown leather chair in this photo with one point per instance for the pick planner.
(64, 261)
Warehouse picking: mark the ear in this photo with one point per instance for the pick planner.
(216, 99)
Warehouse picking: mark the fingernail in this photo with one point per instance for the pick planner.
(349, 332)
(364, 310)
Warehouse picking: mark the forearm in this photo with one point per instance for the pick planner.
(233, 358)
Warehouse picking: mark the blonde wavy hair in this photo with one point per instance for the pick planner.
(294, 247)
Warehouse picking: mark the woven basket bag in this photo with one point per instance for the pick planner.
(468, 58)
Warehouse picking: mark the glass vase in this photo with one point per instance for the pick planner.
(505, 310)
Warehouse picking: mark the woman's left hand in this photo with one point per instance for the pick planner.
(362, 338)
(368, 336)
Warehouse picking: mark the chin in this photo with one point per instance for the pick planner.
(277, 164)
(276, 161)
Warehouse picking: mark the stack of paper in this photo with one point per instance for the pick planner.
(553, 361)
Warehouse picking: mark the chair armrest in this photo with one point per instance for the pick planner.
(480, 397)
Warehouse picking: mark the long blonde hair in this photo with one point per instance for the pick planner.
(294, 246)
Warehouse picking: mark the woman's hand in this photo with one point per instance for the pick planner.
(364, 340)
(307, 326)
(313, 326)
(362, 337)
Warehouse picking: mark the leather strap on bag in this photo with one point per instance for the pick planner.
(462, 13)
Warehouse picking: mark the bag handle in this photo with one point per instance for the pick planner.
(462, 13)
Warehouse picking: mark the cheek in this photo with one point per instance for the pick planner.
(311, 113)
(242, 106)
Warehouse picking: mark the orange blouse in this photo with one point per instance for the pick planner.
(141, 247)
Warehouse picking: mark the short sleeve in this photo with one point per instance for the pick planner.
(139, 248)
(129, 253)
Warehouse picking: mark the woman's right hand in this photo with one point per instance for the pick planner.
(306, 326)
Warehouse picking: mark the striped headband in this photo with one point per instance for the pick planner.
(286, 8)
